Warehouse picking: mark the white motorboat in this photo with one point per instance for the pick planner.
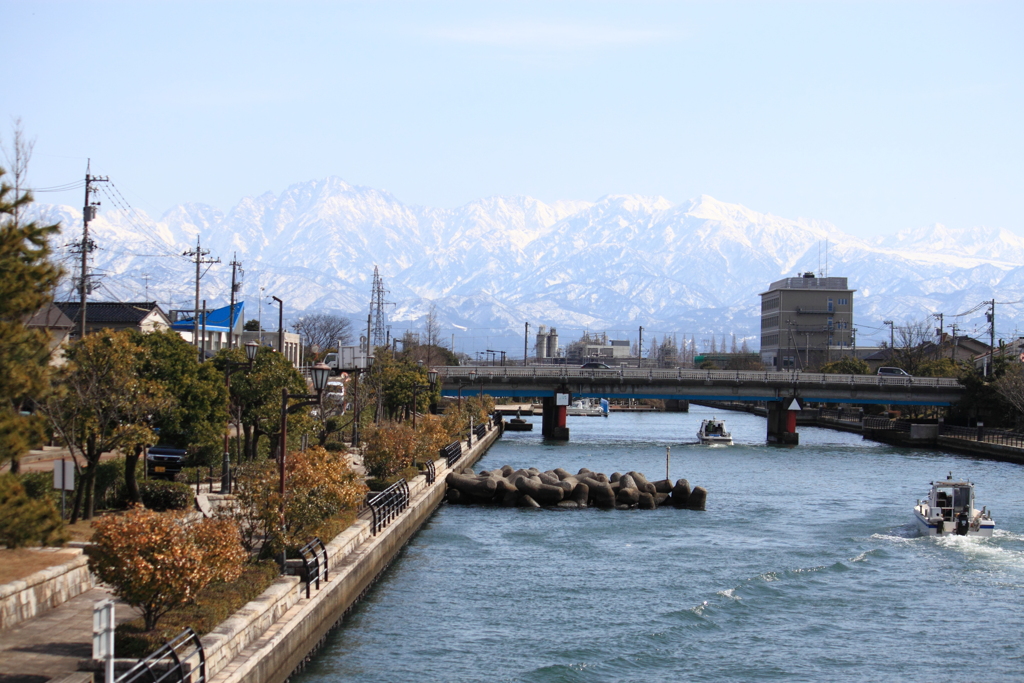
(949, 509)
(587, 407)
(713, 432)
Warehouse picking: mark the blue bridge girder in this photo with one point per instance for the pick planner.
(697, 385)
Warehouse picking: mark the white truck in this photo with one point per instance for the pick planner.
(348, 359)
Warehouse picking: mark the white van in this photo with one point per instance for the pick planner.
(893, 372)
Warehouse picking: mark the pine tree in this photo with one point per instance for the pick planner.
(27, 280)
(734, 348)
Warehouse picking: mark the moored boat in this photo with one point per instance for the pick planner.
(587, 407)
(949, 509)
(714, 432)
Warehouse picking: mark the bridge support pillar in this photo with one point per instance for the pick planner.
(782, 422)
(677, 405)
(553, 418)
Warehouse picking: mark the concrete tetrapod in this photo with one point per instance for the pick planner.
(510, 487)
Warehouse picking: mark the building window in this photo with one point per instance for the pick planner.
(844, 302)
(830, 307)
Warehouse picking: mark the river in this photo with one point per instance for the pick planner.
(804, 567)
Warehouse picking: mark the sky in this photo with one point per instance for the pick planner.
(875, 117)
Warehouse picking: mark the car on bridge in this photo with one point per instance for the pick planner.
(893, 372)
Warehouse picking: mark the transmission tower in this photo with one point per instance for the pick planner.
(378, 335)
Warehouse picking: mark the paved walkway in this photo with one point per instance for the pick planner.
(50, 645)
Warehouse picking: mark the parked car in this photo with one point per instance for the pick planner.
(163, 462)
(893, 372)
(594, 365)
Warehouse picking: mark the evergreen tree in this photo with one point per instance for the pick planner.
(27, 280)
(734, 348)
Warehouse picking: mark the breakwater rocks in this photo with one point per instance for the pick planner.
(509, 487)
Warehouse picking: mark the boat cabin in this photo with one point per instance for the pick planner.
(952, 497)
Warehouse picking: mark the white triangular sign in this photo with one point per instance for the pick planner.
(795, 405)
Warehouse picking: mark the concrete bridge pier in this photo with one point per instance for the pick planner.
(782, 422)
(553, 416)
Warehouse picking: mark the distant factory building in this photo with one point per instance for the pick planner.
(806, 321)
(547, 343)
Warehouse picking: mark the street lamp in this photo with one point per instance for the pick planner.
(251, 348)
(320, 373)
(280, 324)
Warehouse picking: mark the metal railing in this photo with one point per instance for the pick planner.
(388, 504)
(561, 372)
(480, 431)
(999, 437)
(873, 422)
(431, 472)
(172, 663)
(452, 452)
(314, 561)
(841, 415)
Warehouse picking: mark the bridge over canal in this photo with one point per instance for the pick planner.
(783, 391)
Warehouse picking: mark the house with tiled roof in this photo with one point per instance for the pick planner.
(144, 316)
(52, 319)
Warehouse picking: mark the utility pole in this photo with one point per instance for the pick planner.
(236, 268)
(892, 337)
(198, 254)
(526, 345)
(280, 326)
(88, 213)
(992, 337)
(952, 352)
(640, 348)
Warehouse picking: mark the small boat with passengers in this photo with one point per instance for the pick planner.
(949, 509)
(587, 407)
(713, 432)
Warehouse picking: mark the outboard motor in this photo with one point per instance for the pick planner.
(962, 524)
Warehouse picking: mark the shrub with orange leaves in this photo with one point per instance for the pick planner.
(390, 448)
(158, 561)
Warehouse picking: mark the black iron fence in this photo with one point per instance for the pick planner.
(841, 415)
(180, 660)
(314, 561)
(452, 452)
(480, 431)
(873, 422)
(1000, 437)
(388, 504)
(431, 472)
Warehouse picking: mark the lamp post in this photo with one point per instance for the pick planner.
(320, 372)
(280, 324)
(251, 348)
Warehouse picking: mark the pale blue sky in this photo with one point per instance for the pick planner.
(874, 116)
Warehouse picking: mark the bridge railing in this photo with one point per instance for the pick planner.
(472, 374)
(874, 422)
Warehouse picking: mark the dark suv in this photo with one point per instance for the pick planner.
(165, 461)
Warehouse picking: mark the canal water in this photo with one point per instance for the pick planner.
(804, 567)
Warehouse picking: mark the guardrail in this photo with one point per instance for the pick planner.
(478, 374)
(388, 504)
(314, 561)
(841, 415)
(452, 452)
(431, 472)
(480, 431)
(172, 663)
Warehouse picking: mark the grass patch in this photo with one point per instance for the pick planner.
(214, 604)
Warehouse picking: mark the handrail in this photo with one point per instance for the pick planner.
(679, 374)
(167, 664)
(388, 504)
(452, 452)
(431, 472)
(314, 560)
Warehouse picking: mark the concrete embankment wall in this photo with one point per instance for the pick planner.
(274, 634)
(47, 588)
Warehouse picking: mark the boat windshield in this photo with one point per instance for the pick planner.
(956, 497)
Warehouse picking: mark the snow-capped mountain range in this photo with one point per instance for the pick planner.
(612, 265)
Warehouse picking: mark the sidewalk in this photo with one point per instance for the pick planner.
(50, 645)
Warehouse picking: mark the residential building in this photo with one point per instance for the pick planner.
(59, 325)
(216, 331)
(144, 316)
(806, 321)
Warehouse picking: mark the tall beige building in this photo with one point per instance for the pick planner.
(806, 322)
